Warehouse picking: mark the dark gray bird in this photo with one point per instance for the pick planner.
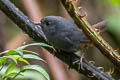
(64, 34)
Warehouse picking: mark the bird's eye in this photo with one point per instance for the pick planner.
(48, 23)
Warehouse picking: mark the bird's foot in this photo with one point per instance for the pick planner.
(80, 63)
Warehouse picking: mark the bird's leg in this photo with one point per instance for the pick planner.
(79, 62)
(82, 52)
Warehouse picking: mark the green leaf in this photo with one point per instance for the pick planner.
(34, 44)
(19, 58)
(4, 52)
(30, 52)
(20, 52)
(14, 74)
(10, 68)
(31, 56)
(37, 68)
(3, 59)
(12, 52)
(12, 57)
(22, 69)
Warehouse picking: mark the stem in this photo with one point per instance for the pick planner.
(91, 33)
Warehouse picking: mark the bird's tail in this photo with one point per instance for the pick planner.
(101, 25)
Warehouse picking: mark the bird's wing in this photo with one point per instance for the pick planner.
(80, 36)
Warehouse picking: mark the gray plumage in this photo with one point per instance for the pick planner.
(63, 33)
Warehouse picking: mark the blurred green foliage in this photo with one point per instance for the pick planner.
(115, 1)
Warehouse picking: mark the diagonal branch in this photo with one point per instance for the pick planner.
(36, 33)
(91, 33)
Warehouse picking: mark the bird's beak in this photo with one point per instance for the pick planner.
(39, 23)
(41, 32)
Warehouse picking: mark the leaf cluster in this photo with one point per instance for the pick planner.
(16, 55)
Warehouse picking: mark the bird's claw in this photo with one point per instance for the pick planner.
(79, 62)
